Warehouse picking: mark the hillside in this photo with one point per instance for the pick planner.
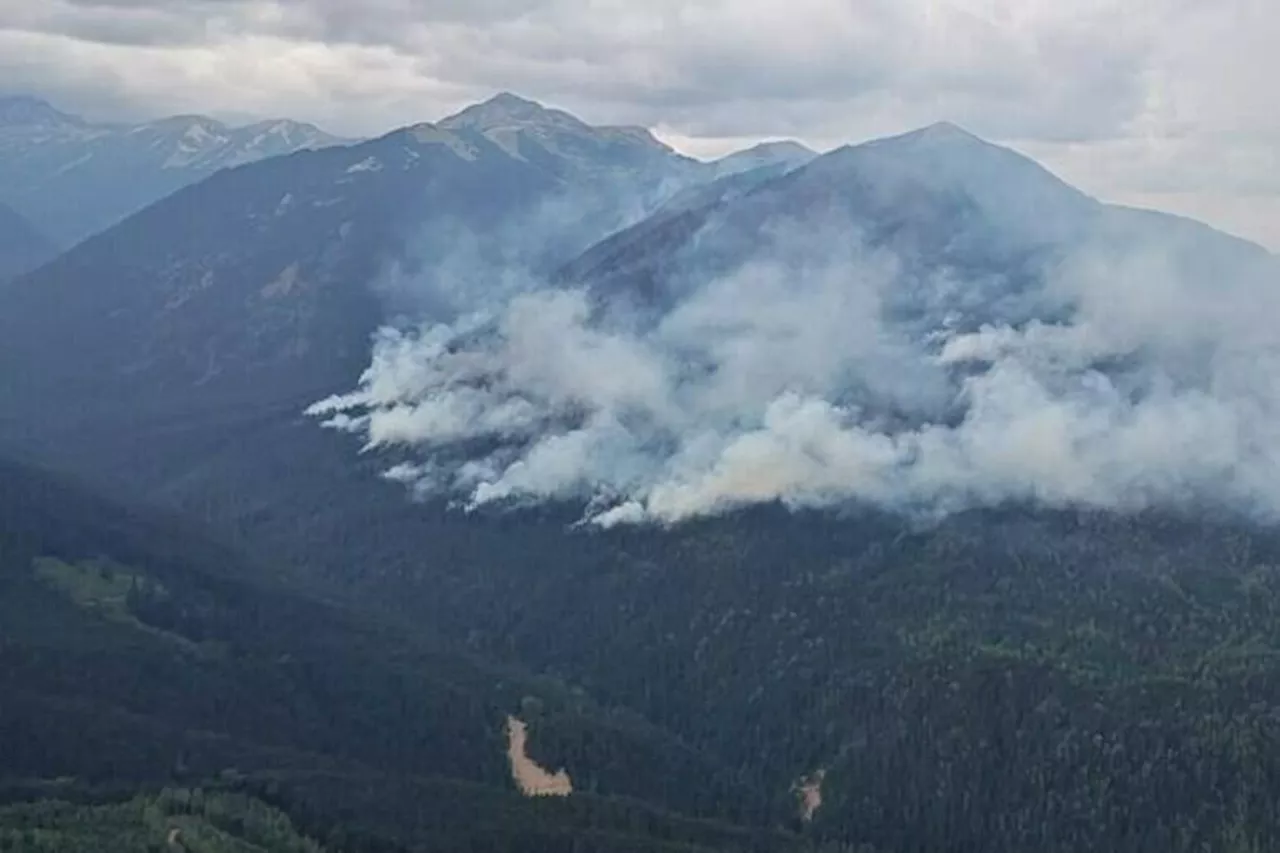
(137, 654)
(937, 199)
(938, 620)
(22, 247)
(213, 318)
(926, 323)
(264, 283)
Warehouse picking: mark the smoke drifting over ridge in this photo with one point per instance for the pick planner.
(818, 370)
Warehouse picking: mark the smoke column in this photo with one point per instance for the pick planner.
(816, 371)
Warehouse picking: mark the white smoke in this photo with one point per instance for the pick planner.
(1140, 384)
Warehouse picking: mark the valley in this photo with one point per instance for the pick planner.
(516, 483)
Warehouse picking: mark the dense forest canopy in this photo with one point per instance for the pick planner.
(1087, 694)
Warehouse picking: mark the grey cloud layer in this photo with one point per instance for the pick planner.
(700, 65)
(1174, 90)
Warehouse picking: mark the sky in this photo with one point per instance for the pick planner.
(1157, 103)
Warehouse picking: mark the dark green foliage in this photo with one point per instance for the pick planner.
(174, 820)
(134, 653)
(1004, 681)
(464, 816)
(1134, 659)
(1135, 656)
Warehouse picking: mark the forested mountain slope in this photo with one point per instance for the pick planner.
(134, 654)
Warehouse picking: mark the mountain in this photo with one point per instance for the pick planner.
(212, 319)
(878, 413)
(604, 163)
(785, 154)
(22, 247)
(1014, 675)
(563, 143)
(73, 177)
(936, 198)
(138, 653)
(862, 328)
(262, 285)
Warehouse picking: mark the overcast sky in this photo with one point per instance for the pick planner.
(1164, 103)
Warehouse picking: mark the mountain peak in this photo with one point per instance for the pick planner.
(507, 111)
(511, 101)
(1018, 195)
(779, 146)
(511, 122)
(26, 110)
(504, 116)
(941, 147)
(281, 125)
(780, 149)
(783, 152)
(185, 121)
(944, 130)
(933, 140)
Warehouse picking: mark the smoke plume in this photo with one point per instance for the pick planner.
(1120, 376)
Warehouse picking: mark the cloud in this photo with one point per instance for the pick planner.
(1163, 102)
(700, 65)
(819, 371)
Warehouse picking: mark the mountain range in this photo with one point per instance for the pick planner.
(72, 177)
(786, 154)
(856, 498)
(936, 198)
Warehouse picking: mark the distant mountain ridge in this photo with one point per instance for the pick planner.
(72, 177)
(937, 194)
(278, 267)
(264, 284)
(785, 153)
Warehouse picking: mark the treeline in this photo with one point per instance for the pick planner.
(172, 821)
